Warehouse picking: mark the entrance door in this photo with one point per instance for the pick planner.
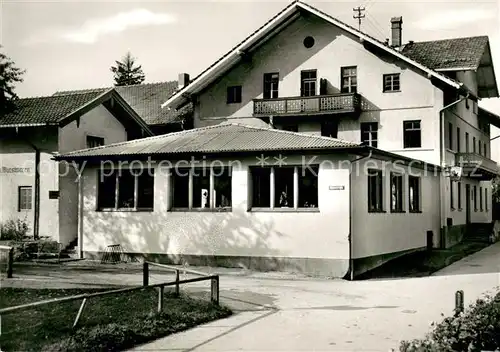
(467, 204)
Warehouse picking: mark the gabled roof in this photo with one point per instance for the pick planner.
(457, 53)
(222, 138)
(492, 118)
(146, 100)
(58, 110)
(180, 97)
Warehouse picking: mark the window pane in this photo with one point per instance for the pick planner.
(222, 187)
(375, 190)
(308, 187)
(180, 185)
(126, 189)
(396, 192)
(106, 189)
(261, 187)
(145, 196)
(24, 200)
(283, 186)
(201, 188)
(414, 193)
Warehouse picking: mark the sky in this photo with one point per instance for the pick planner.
(67, 44)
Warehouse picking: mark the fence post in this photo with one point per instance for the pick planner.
(79, 314)
(177, 288)
(10, 263)
(160, 299)
(145, 274)
(459, 302)
(214, 290)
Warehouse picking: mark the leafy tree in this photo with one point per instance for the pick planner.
(9, 76)
(126, 72)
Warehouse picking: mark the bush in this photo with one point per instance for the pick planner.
(476, 329)
(15, 230)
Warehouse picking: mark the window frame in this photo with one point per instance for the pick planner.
(367, 128)
(475, 197)
(379, 205)
(452, 196)
(399, 207)
(389, 87)
(21, 199)
(350, 88)
(309, 83)
(117, 172)
(480, 198)
(409, 130)
(459, 195)
(458, 140)
(450, 136)
(273, 206)
(272, 91)
(234, 94)
(190, 191)
(417, 196)
(486, 199)
(92, 138)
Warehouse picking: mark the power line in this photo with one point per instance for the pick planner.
(375, 27)
(359, 16)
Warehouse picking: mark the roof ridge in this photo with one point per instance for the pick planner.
(60, 95)
(447, 39)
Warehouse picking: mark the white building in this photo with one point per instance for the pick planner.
(342, 96)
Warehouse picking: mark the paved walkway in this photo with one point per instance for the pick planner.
(280, 312)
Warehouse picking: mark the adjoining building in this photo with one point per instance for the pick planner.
(341, 96)
(34, 188)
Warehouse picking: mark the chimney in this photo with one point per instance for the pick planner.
(183, 80)
(386, 42)
(397, 31)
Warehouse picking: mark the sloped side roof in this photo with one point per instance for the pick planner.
(222, 138)
(47, 110)
(146, 100)
(457, 53)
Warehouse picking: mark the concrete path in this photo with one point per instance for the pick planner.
(280, 312)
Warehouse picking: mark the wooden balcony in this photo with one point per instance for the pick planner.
(478, 166)
(315, 105)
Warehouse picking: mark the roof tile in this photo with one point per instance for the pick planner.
(226, 137)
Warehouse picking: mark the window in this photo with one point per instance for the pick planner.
(234, 94)
(486, 199)
(369, 133)
(349, 82)
(283, 187)
(414, 193)
(375, 191)
(412, 134)
(93, 141)
(392, 82)
(274, 187)
(329, 129)
(481, 198)
(459, 188)
(127, 189)
(480, 145)
(308, 83)
(396, 192)
(261, 187)
(473, 144)
(290, 128)
(202, 196)
(458, 139)
(308, 187)
(450, 136)
(452, 200)
(475, 198)
(24, 198)
(308, 42)
(271, 82)
(467, 142)
(485, 150)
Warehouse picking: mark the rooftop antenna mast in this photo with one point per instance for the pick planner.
(359, 16)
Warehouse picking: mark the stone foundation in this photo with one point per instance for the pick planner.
(321, 267)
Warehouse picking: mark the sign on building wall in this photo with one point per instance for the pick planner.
(14, 170)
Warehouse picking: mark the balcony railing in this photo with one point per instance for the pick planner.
(473, 161)
(315, 105)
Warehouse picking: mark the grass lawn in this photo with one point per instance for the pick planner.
(108, 323)
(424, 263)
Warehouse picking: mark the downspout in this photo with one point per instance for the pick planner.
(442, 163)
(351, 259)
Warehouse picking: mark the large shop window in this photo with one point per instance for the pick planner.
(126, 189)
(290, 187)
(211, 189)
